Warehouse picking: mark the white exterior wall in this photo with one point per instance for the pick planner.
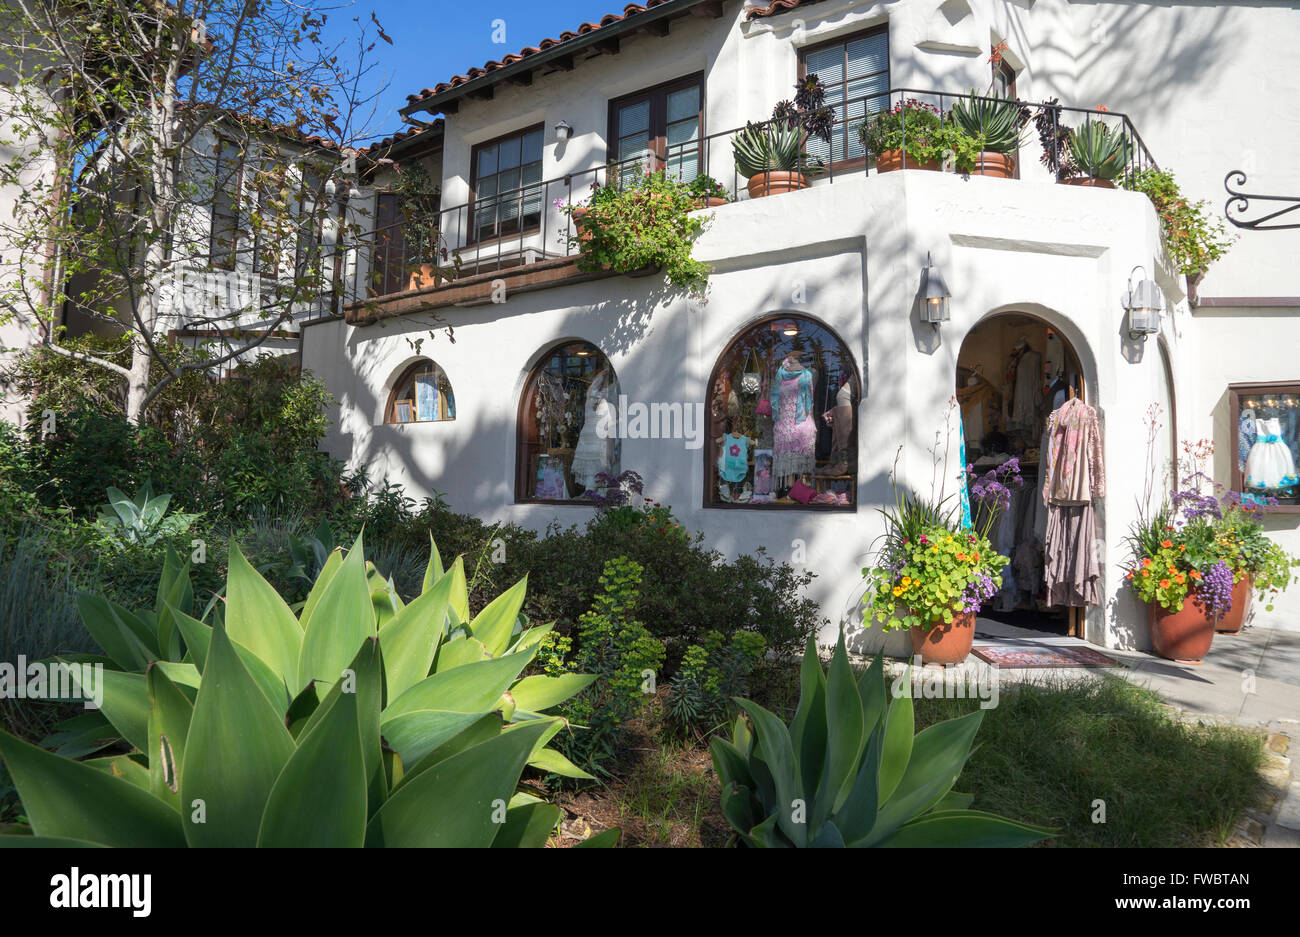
(1059, 252)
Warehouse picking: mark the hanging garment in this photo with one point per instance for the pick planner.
(795, 432)
(1270, 463)
(762, 472)
(966, 522)
(1245, 436)
(1028, 391)
(733, 463)
(1073, 476)
(595, 450)
(1073, 472)
(1070, 566)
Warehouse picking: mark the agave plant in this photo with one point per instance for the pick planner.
(363, 720)
(142, 519)
(996, 123)
(1097, 150)
(849, 772)
(770, 147)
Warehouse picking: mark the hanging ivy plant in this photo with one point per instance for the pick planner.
(1194, 237)
(641, 221)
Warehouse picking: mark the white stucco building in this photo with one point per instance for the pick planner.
(834, 270)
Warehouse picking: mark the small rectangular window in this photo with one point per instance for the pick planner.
(659, 128)
(855, 73)
(227, 180)
(506, 185)
(1265, 427)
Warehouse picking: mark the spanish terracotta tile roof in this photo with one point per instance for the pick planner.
(775, 7)
(401, 136)
(609, 20)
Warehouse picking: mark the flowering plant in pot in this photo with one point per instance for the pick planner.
(1193, 235)
(918, 135)
(1260, 566)
(708, 192)
(933, 573)
(1099, 152)
(640, 223)
(771, 155)
(420, 198)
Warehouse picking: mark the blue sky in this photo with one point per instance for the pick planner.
(436, 39)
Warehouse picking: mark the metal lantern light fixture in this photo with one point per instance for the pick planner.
(1143, 304)
(934, 294)
(563, 131)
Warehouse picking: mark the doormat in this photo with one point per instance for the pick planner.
(1025, 656)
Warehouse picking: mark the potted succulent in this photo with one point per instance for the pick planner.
(933, 572)
(997, 125)
(916, 135)
(708, 192)
(771, 155)
(1099, 152)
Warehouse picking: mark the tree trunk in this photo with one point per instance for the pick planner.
(137, 385)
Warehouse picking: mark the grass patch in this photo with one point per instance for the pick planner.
(1047, 752)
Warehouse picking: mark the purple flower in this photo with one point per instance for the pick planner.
(1215, 592)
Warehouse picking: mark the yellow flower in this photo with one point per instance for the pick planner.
(897, 591)
(907, 581)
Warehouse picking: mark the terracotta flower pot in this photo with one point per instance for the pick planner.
(1232, 622)
(997, 165)
(775, 182)
(709, 201)
(1090, 181)
(584, 235)
(426, 275)
(945, 643)
(890, 160)
(1184, 635)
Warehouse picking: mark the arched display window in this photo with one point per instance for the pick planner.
(783, 403)
(421, 394)
(568, 447)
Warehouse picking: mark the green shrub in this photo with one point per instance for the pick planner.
(710, 676)
(848, 771)
(620, 651)
(1193, 235)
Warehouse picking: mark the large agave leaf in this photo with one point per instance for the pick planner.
(195, 633)
(539, 693)
(236, 747)
(459, 591)
(844, 737)
(343, 618)
(410, 638)
(900, 727)
(258, 619)
(459, 802)
(126, 706)
(528, 826)
(871, 689)
(460, 651)
(118, 633)
(496, 623)
(66, 799)
(170, 713)
(414, 735)
(122, 766)
(482, 728)
(856, 817)
(320, 798)
(327, 571)
(474, 687)
(434, 571)
(808, 730)
(964, 828)
(775, 748)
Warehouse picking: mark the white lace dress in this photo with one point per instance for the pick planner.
(1270, 463)
(596, 451)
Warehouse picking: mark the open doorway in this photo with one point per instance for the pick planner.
(1013, 370)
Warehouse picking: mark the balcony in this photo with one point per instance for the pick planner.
(526, 239)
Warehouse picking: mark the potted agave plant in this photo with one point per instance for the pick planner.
(934, 571)
(996, 124)
(771, 155)
(1099, 152)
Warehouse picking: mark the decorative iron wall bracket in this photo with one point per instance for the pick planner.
(1240, 202)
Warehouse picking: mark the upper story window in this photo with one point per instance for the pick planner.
(507, 173)
(227, 181)
(661, 128)
(421, 395)
(855, 73)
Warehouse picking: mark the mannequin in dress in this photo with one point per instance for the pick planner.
(840, 419)
(595, 452)
(795, 431)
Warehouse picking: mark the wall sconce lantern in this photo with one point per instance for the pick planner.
(1143, 305)
(563, 131)
(934, 294)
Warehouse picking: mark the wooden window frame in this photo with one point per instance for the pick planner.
(471, 233)
(879, 29)
(409, 374)
(710, 457)
(657, 95)
(238, 182)
(1007, 70)
(1255, 389)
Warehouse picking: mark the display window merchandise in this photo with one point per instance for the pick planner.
(783, 419)
(1266, 443)
(421, 394)
(568, 447)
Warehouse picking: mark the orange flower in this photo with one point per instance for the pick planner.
(1166, 543)
(1183, 547)
(1180, 579)
(1146, 572)
(1164, 583)
(1195, 574)
(1146, 561)
(976, 557)
(1130, 574)
(962, 557)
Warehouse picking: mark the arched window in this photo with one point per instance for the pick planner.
(783, 404)
(568, 426)
(421, 395)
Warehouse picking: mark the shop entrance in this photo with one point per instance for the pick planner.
(1013, 370)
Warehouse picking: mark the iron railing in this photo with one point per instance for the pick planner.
(529, 224)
